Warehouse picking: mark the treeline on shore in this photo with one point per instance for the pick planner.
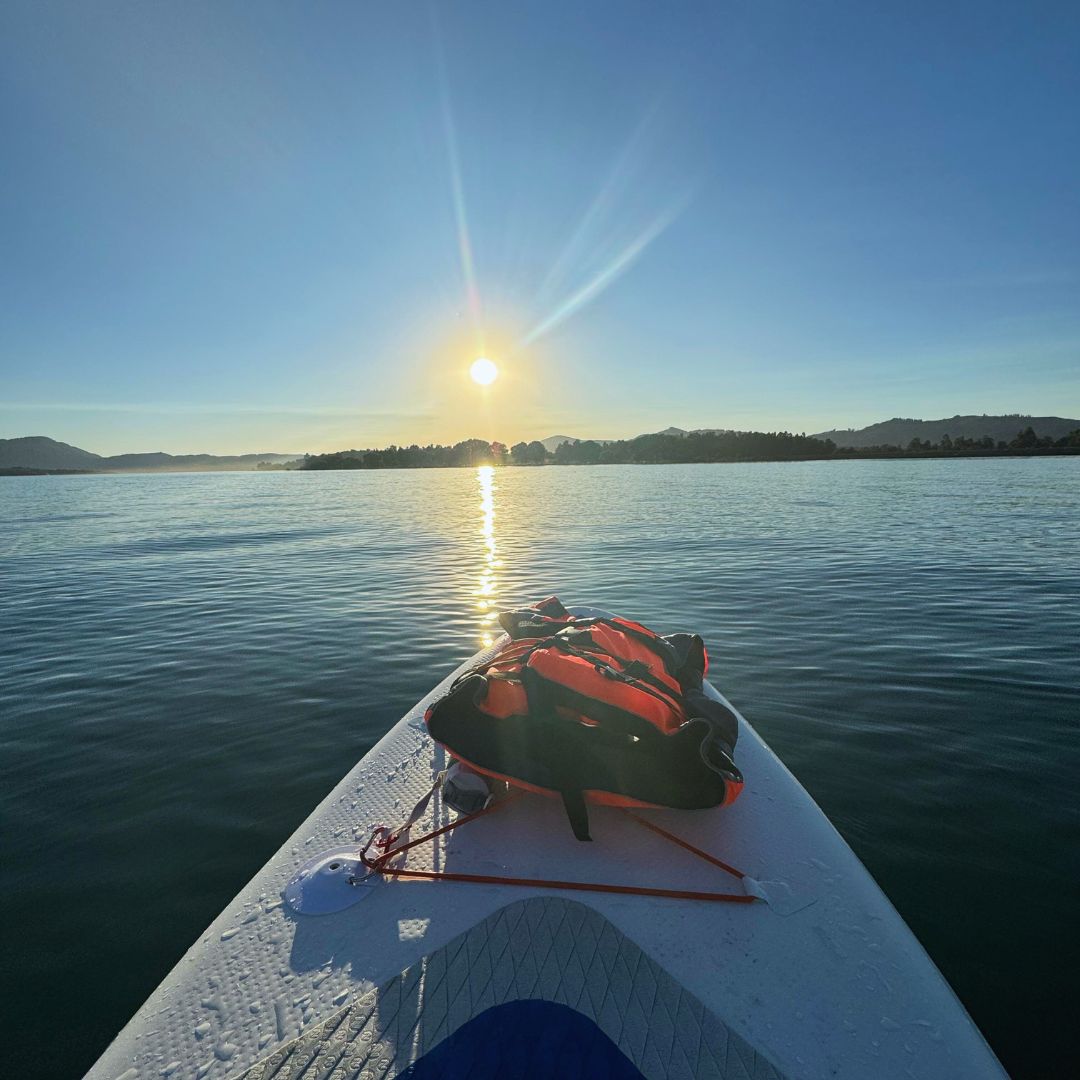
(22, 470)
(695, 447)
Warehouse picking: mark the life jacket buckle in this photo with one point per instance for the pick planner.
(609, 672)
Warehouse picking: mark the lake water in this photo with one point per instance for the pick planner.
(188, 663)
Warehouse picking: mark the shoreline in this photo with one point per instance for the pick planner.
(853, 455)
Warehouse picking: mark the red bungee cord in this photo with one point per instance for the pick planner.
(384, 838)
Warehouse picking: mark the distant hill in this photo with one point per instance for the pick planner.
(553, 442)
(678, 431)
(159, 462)
(40, 452)
(900, 432)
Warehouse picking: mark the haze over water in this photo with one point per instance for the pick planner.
(190, 662)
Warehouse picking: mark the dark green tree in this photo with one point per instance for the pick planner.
(537, 452)
(1025, 440)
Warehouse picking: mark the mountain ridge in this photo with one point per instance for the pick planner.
(553, 442)
(899, 431)
(42, 452)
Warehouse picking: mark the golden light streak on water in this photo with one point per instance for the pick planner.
(485, 598)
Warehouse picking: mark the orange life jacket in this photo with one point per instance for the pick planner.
(597, 710)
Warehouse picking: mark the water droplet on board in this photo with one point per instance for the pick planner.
(225, 1050)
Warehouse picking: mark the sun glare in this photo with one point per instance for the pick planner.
(483, 371)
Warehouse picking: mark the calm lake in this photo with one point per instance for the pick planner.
(188, 663)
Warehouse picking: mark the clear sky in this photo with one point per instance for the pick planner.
(292, 226)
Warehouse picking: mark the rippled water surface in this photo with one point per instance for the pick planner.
(190, 662)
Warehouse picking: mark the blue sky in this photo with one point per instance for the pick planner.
(242, 227)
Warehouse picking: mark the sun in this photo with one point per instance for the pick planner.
(483, 371)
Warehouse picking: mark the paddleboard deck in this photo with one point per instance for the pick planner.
(818, 978)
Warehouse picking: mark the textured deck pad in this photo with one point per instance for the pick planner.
(540, 949)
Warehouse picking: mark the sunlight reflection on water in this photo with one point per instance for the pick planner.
(486, 585)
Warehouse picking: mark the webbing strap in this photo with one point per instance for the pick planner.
(391, 838)
(416, 814)
(382, 837)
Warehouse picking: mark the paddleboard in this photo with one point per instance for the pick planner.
(319, 969)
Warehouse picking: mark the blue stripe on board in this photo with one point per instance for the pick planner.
(525, 1040)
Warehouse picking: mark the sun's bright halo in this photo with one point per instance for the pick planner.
(483, 371)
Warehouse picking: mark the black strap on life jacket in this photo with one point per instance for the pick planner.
(558, 739)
